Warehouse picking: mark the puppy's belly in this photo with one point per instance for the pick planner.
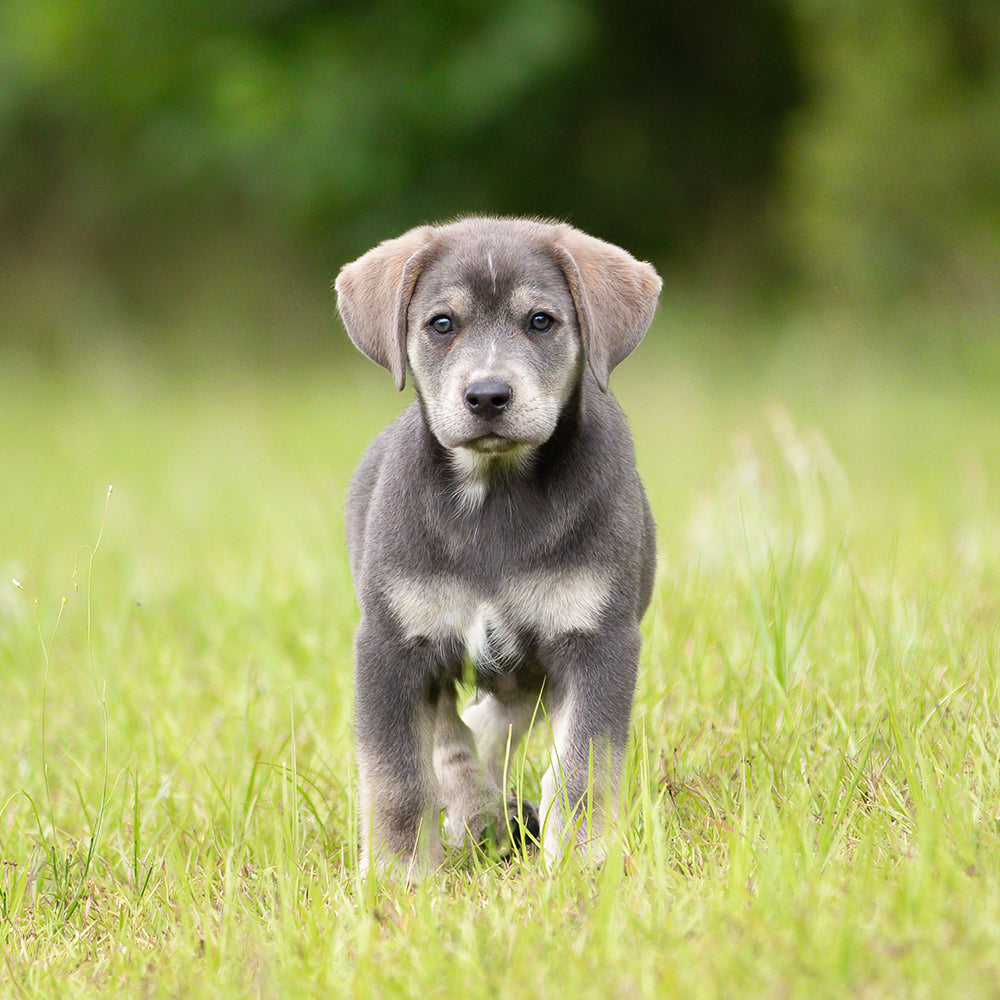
(490, 625)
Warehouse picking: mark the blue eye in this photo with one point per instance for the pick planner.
(541, 322)
(442, 324)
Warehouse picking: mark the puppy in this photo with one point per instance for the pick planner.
(499, 522)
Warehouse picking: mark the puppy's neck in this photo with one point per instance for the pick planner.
(475, 473)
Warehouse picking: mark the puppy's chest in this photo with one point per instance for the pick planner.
(493, 623)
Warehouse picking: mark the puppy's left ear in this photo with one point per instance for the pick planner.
(615, 297)
(373, 294)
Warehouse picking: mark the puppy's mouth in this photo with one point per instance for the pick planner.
(493, 444)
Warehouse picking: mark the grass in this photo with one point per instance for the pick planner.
(812, 801)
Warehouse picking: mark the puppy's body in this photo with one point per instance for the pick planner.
(500, 520)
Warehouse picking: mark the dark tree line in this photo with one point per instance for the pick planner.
(840, 142)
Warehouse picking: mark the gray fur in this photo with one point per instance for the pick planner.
(513, 533)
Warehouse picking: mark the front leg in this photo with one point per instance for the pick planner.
(394, 721)
(593, 686)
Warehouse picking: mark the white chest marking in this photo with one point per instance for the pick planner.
(549, 603)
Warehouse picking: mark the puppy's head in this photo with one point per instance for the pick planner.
(495, 317)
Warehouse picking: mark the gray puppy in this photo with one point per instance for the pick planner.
(499, 521)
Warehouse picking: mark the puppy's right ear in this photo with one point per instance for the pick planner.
(373, 294)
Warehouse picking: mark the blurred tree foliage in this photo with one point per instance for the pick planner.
(892, 177)
(642, 121)
(851, 141)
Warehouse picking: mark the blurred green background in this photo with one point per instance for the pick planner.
(190, 175)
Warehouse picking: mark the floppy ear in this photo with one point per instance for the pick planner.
(373, 294)
(614, 294)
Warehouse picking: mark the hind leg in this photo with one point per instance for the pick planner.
(469, 795)
(499, 724)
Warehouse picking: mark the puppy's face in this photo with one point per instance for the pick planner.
(494, 346)
(496, 318)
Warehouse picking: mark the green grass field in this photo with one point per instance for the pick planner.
(812, 800)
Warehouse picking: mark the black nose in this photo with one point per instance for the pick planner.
(487, 397)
